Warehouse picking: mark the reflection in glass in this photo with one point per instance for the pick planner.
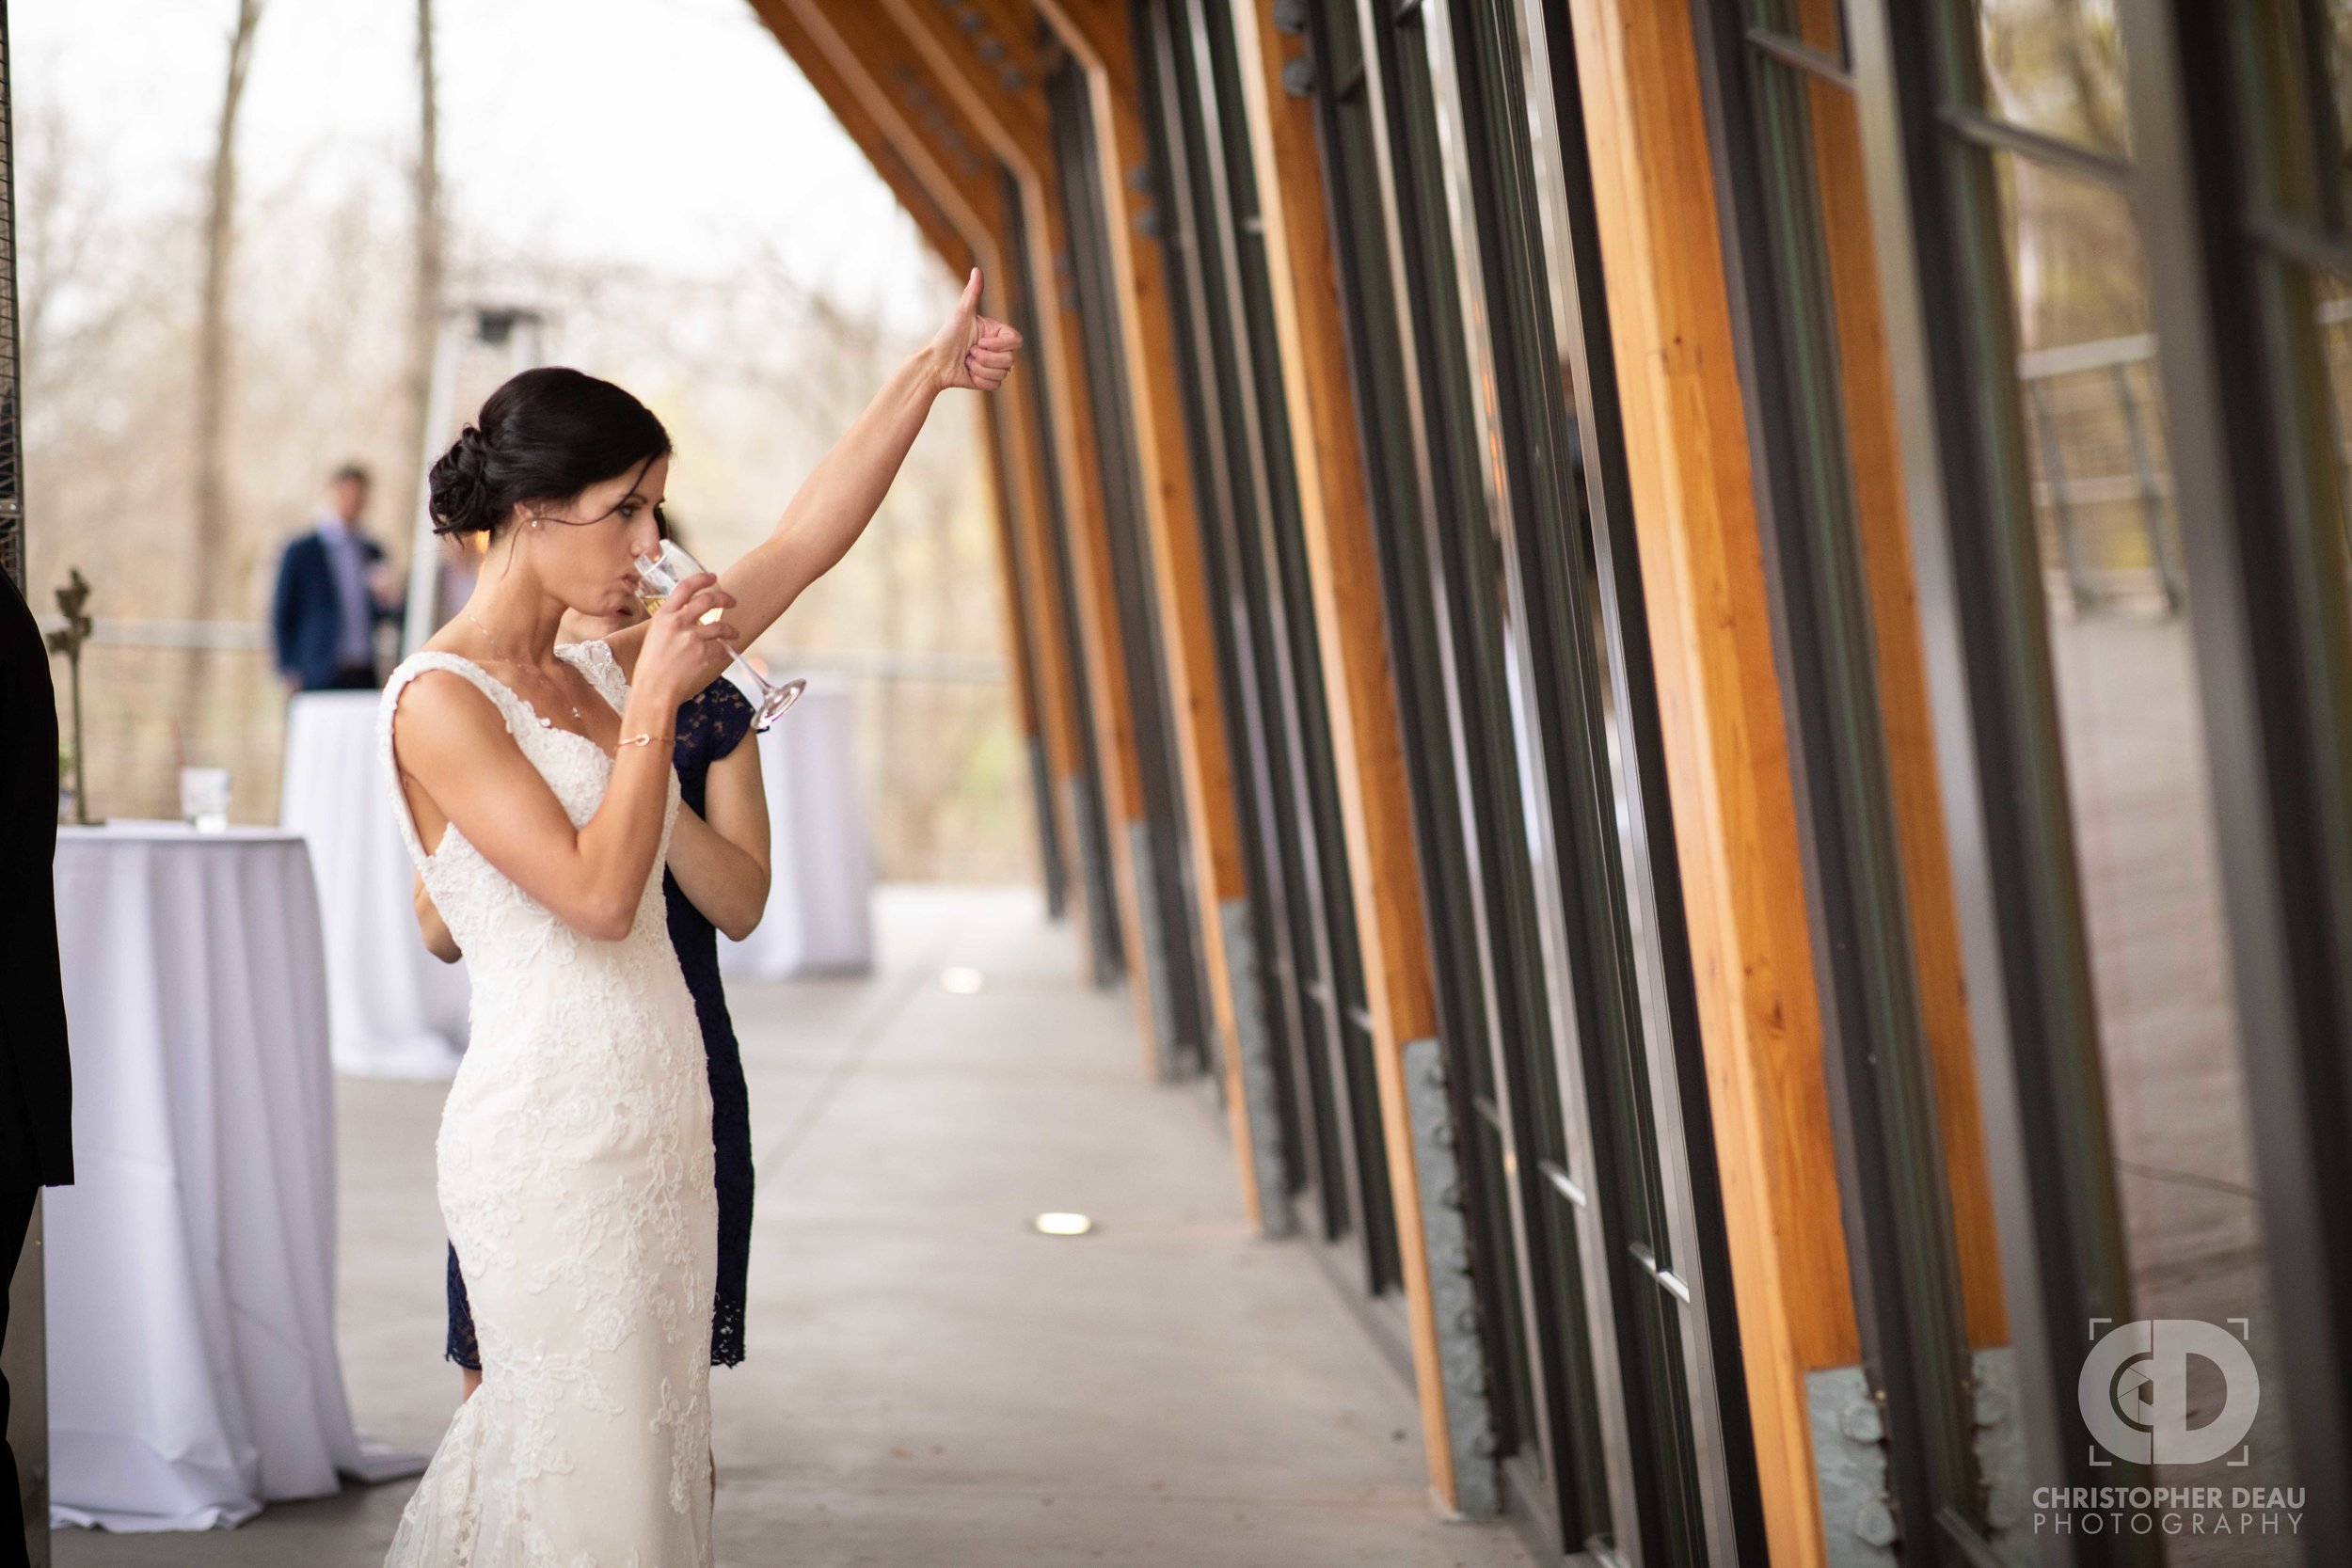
(2134, 743)
(2336, 20)
(2055, 67)
(1816, 23)
(2290, 165)
(2333, 312)
(2088, 392)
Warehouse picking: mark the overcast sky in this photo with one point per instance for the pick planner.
(670, 134)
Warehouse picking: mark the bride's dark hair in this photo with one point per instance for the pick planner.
(545, 436)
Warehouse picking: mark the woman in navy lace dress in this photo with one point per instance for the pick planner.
(723, 855)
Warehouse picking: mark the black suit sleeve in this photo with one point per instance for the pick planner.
(36, 1076)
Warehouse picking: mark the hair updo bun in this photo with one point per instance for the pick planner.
(460, 501)
(544, 437)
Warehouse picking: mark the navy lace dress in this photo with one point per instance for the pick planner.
(709, 727)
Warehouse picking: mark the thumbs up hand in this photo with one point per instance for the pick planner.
(971, 350)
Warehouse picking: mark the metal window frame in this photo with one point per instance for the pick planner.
(1893, 1185)
(2262, 516)
(2008, 816)
(1582, 1192)
(1347, 140)
(1633, 875)
(1285, 894)
(1176, 974)
(1269, 664)
(1211, 437)
(1106, 944)
(1951, 336)
(1624, 1103)
(1472, 843)
(1027, 650)
(1553, 1343)
(1327, 903)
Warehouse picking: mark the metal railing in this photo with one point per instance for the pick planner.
(871, 665)
(2102, 490)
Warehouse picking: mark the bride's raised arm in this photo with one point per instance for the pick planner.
(842, 493)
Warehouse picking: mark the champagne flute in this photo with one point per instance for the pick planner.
(659, 575)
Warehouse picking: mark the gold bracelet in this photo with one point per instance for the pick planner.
(646, 739)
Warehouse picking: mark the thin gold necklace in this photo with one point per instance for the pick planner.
(497, 651)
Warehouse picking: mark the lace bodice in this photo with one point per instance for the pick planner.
(493, 920)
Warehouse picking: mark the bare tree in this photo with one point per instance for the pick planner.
(210, 537)
(754, 368)
(425, 310)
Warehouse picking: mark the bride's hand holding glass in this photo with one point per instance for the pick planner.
(666, 572)
(682, 652)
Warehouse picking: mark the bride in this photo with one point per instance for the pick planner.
(534, 790)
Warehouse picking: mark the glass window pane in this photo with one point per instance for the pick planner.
(2134, 744)
(2293, 112)
(2087, 374)
(1816, 24)
(2055, 67)
(1844, 460)
(2335, 336)
(2336, 22)
(2326, 298)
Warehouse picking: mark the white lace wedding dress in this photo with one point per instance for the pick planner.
(575, 1177)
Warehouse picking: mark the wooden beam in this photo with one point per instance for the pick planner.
(1367, 737)
(1069, 720)
(1019, 124)
(863, 100)
(1022, 141)
(1188, 614)
(1187, 620)
(1025, 443)
(1097, 32)
(1721, 718)
(904, 51)
(1098, 594)
(1013, 30)
(1016, 632)
(1145, 333)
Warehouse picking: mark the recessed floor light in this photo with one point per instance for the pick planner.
(1057, 1222)
(963, 982)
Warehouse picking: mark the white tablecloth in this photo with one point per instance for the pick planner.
(394, 1010)
(818, 918)
(191, 1291)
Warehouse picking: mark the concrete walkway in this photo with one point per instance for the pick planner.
(929, 1381)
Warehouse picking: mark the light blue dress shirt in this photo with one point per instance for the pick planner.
(356, 643)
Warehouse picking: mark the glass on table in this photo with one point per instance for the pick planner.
(659, 575)
(204, 798)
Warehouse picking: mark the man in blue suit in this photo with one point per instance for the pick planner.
(324, 614)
